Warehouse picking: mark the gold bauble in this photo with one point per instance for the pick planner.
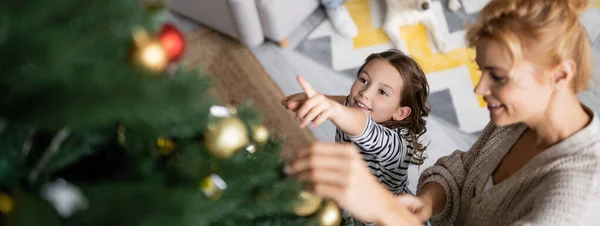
(6, 204)
(225, 137)
(213, 186)
(307, 205)
(260, 134)
(152, 56)
(165, 145)
(329, 215)
(148, 52)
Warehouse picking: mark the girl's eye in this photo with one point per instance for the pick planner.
(382, 92)
(362, 80)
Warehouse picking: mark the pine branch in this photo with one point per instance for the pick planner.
(57, 140)
(67, 63)
(27, 144)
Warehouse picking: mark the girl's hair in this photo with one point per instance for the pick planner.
(544, 32)
(414, 95)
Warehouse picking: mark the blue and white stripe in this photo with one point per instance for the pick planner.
(385, 150)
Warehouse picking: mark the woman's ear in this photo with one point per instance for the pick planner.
(401, 113)
(563, 73)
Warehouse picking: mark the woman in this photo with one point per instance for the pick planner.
(537, 162)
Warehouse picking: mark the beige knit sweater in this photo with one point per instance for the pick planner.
(560, 186)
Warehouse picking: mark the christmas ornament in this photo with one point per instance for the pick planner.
(148, 52)
(232, 110)
(172, 41)
(226, 136)
(260, 134)
(329, 215)
(165, 145)
(251, 149)
(213, 186)
(66, 198)
(222, 111)
(6, 204)
(308, 204)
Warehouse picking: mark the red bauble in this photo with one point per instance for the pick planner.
(171, 39)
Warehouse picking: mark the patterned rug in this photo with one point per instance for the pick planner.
(452, 76)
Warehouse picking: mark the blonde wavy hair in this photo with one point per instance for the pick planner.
(545, 32)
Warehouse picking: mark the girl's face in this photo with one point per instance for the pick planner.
(377, 91)
(522, 96)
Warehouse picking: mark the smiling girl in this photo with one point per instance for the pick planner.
(384, 114)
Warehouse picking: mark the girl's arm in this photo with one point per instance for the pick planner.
(350, 120)
(385, 147)
(339, 99)
(295, 101)
(371, 137)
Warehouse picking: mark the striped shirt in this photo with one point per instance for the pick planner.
(386, 151)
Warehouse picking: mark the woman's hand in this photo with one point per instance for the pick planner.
(421, 208)
(338, 172)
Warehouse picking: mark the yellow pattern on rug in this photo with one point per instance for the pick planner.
(417, 42)
(596, 3)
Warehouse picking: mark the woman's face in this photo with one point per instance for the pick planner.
(520, 97)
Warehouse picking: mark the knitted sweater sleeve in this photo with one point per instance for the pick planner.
(451, 172)
(567, 197)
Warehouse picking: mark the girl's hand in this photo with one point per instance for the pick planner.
(338, 172)
(294, 101)
(317, 108)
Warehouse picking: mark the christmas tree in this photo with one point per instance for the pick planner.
(99, 125)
